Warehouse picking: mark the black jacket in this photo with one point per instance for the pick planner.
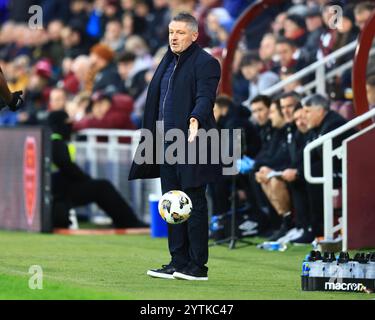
(108, 80)
(193, 93)
(277, 155)
(331, 121)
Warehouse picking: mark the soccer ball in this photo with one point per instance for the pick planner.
(175, 207)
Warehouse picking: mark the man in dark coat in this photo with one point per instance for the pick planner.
(321, 120)
(182, 95)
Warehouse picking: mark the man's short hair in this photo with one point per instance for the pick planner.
(266, 100)
(371, 80)
(127, 57)
(289, 42)
(364, 6)
(249, 59)
(292, 94)
(276, 101)
(188, 18)
(316, 100)
(224, 101)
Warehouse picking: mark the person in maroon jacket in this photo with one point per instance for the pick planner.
(104, 115)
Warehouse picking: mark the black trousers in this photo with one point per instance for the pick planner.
(187, 242)
(104, 194)
(300, 201)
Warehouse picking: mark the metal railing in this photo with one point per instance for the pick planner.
(319, 68)
(111, 159)
(327, 178)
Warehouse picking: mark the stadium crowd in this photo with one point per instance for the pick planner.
(94, 60)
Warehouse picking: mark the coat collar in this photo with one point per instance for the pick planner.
(185, 54)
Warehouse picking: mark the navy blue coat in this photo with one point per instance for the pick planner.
(193, 94)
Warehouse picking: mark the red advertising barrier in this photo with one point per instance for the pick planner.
(25, 179)
(361, 191)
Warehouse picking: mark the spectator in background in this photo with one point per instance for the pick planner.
(74, 41)
(104, 75)
(113, 36)
(54, 49)
(37, 94)
(278, 24)
(321, 120)
(267, 50)
(294, 177)
(77, 108)
(293, 86)
(295, 29)
(251, 67)
(57, 100)
(289, 55)
(81, 70)
(276, 158)
(104, 114)
(219, 26)
(329, 36)
(315, 28)
(362, 12)
(134, 79)
(370, 89)
(19, 74)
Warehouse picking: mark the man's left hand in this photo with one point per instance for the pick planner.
(193, 129)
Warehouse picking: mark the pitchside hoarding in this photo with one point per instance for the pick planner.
(25, 179)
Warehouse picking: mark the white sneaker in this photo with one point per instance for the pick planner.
(292, 234)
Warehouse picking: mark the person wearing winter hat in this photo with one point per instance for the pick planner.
(104, 72)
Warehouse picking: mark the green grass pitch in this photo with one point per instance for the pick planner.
(114, 267)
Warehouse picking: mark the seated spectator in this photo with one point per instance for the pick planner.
(72, 188)
(296, 85)
(267, 50)
(81, 70)
(251, 67)
(104, 115)
(104, 72)
(321, 120)
(289, 55)
(19, 74)
(113, 36)
(295, 29)
(277, 158)
(363, 12)
(219, 25)
(315, 28)
(133, 78)
(77, 108)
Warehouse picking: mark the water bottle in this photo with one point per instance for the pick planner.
(306, 266)
(344, 269)
(316, 267)
(328, 259)
(331, 268)
(272, 246)
(370, 270)
(359, 266)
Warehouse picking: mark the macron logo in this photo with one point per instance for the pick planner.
(344, 286)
